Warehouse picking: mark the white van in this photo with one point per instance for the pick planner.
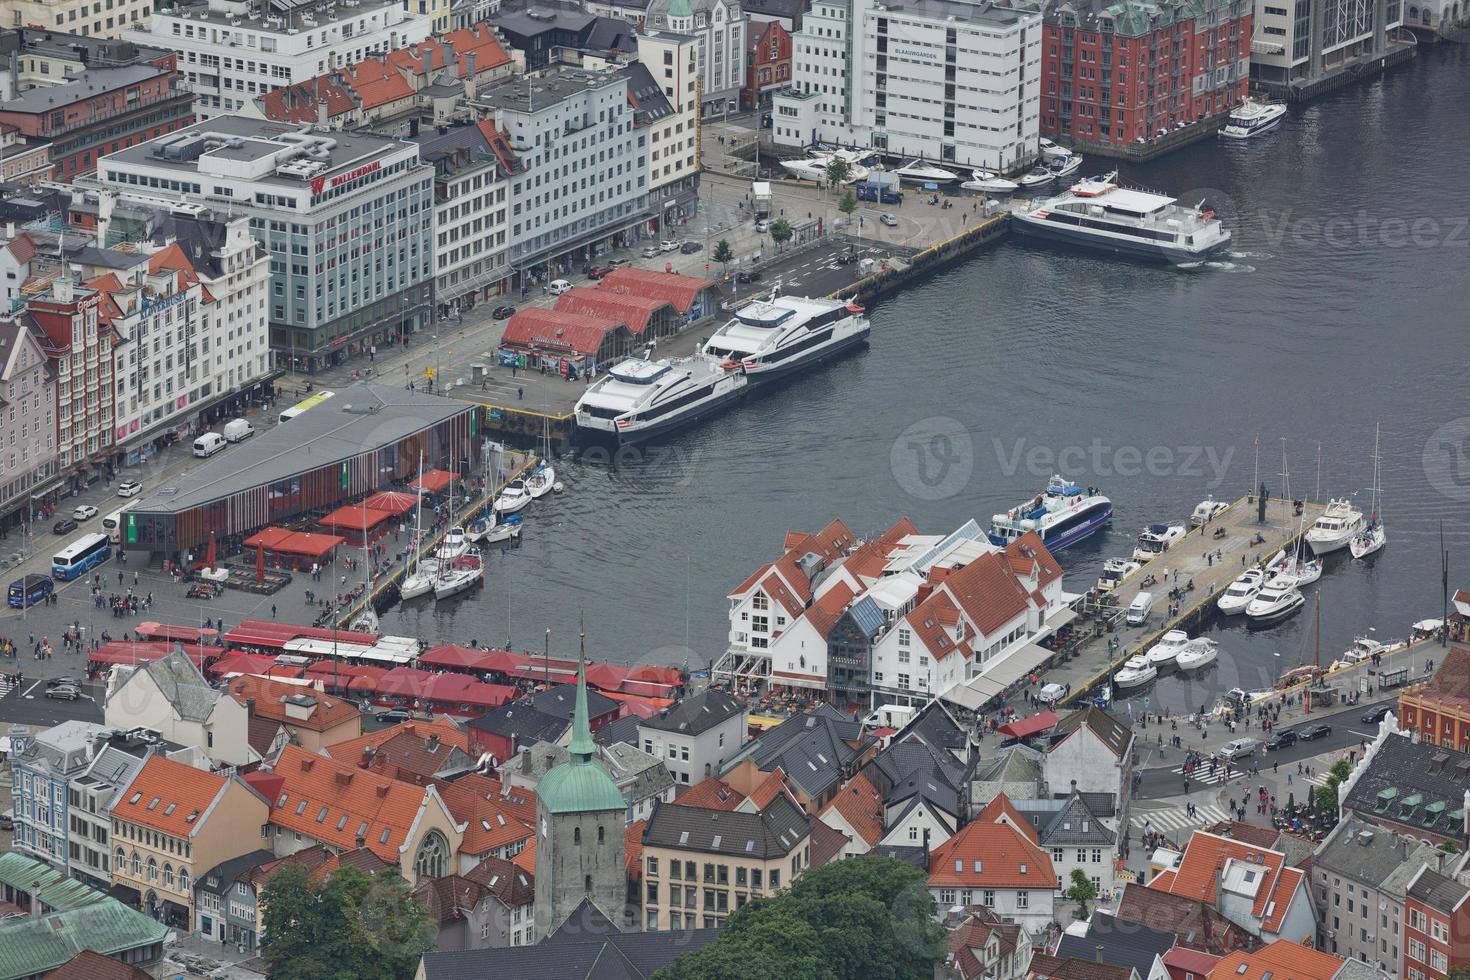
(238, 430)
(1139, 609)
(1052, 693)
(559, 286)
(208, 444)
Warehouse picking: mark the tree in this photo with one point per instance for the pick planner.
(848, 204)
(1326, 794)
(781, 232)
(1081, 892)
(351, 925)
(1449, 847)
(865, 918)
(723, 253)
(839, 171)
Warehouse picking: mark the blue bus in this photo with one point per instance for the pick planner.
(80, 556)
(32, 590)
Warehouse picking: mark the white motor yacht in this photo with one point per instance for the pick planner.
(1155, 539)
(1170, 645)
(637, 399)
(541, 480)
(989, 183)
(1206, 510)
(1051, 150)
(1115, 570)
(514, 497)
(1241, 592)
(459, 575)
(1065, 166)
(455, 543)
(919, 172)
(1198, 652)
(1277, 600)
(1036, 177)
(814, 168)
(507, 529)
(1252, 118)
(1136, 672)
(1334, 530)
(1063, 514)
(1363, 648)
(775, 337)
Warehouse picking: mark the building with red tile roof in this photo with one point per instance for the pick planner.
(1184, 963)
(314, 719)
(1251, 886)
(1283, 958)
(856, 812)
(1002, 810)
(440, 728)
(998, 866)
(711, 793)
(588, 339)
(982, 946)
(693, 298)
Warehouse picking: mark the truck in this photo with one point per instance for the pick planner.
(881, 187)
(237, 430)
(760, 196)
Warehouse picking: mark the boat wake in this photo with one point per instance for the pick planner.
(1251, 255)
(1231, 266)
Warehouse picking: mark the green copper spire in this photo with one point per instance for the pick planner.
(582, 747)
(680, 8)
(581, 784)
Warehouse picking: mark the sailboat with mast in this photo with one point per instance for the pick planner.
(543, 477)
(1302, 570)
(417, 580)
(1373, 537)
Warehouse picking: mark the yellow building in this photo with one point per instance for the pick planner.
(90, 18)
(175, 823)
(438, 11)
(700, 864)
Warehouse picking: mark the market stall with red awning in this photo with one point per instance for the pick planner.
(393, 502)
(1026, 727)
(434, 481)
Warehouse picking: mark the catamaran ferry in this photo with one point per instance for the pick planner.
(1097, 213)
(636, 398)
(774, 337)
(1063, 515)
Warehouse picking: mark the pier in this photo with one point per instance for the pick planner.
(1088, 664)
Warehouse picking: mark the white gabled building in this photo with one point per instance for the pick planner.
(951, 81)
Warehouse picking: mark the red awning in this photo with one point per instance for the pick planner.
(1035, 725)
(434, 481)
(130, 652)
(392, 502)
(243, 663)
(451, 657)
(460, 689)
(355, 517)
(405, 682)
(294, 542)
(161, 631)
(268, 537)
(271, 635)
(366, 681)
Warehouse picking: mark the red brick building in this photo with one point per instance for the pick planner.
(767, 64)
(102, 111)
(1439, 711)
(1126, 73)
(1436, 939)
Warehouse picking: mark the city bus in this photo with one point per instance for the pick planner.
(80, 556)
(310, 401)
(113, 524)
(31, 590)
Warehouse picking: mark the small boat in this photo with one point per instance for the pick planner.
(1115, 570)
(1240, 593)
(541, 481)
(1252, 118)
(365, 621)
(1155, 539)
(461, 574)
(514, 497)
(1167, 650)
(1136, 672)
(1036, 177)
(1304, 571)
(1065, 166)
(1373, 537)
(989, 183)
(1363, 648)
(1277, 600)
(1051, 150)
(504, 530)
(919, 172)
(418, 582)
(1198, 652)
(455, 543)
(1335, 529)
(1207, 510)
(1297, 675)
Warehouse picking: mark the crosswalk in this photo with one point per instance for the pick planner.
(1177, 818)
(1204, 777)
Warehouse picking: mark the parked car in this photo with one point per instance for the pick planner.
(395, 714)
(83, 512)
(64, 526)
(1374, 715)
(503, 312)
(751, 275)
(63, 682)
(668, 245)
(889, 219)
(763, 225)
(1310, 733)
(559, 286)
(846, 258)
(1280, 740)
(129, 488)
(689, 248)
(650, 251)
(1239, 748)
(65, 692)
(598, 272)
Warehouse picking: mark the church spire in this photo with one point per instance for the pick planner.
(582, 748)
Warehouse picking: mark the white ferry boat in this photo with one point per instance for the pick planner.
(1063, 515)
(636, 398)
(1253, 118)
(774, 337)
(1097, 213)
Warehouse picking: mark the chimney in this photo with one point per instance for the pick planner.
(428, 56)
(1097, 952)
(526, 760)
(105, 202)
(360, 841)
(10, 225)
(469, 65)
(61, 287)
(433, 743)
(35, 909)
(321, 113)
(250, 706)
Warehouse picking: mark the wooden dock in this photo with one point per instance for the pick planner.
(1190, 558)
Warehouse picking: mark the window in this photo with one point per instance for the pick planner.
(1439, 930)
(1023, 899)
(987, 898)
(1438, 962)
(653, 867)
(1416, 950)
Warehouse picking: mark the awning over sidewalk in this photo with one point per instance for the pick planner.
(434, 481)
(1026, 727)
(977, 692)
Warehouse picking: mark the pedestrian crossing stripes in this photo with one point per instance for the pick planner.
(1204, 776)
(1177, 818)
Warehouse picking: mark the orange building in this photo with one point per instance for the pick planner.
(1439, 711)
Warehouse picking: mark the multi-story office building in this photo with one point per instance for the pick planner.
(63, 317)
(1299, 43)
(85, 17)
(947, 80)
(1131, 74)
(719, 30)
(347, 220)
(583, 187)
(232, 51)
(669, 64)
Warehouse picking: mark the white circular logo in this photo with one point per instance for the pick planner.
(933, 458)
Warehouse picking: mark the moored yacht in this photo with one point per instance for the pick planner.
(1240, 593)
(1097, 213)
(1037, 176)
(637, 399)
(1063, 515)
(1065, 166)
(1335, 528)
(1198, 652)
(1136, 672)
(455, 543)
(514, 497)
(989, 183)
(1155, 539)
(1051, 150)
(1252, 118)
(919, 172)
(1170, 645)
(1277, 600)
(776, 336)
(459, 575)
(1115, 570)
(1207, 510)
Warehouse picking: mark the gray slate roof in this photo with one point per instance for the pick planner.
(1065, 829)
(559, 701)
(92, 83)
(1015, 763)
(1401, 770)
(696, 714)
(773, 832)
(624, 729)
(646, 92)
(637, 774)
(1113, 733)
(62, 749)
(226, 872)
(935, 726)
(521, 723)
(811, 747)
(181, 683)
(1437, 891)
(1117, 942)
(1366, 853)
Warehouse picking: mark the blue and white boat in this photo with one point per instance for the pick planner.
(1063, 515)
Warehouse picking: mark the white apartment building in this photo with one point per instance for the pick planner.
(472, 167)
(719, 29)
(232, 51)
(950, 81)
(90, 18)
(671, 63)
(581, 186)
(1285, 50)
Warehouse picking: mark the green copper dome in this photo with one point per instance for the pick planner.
(580, 785)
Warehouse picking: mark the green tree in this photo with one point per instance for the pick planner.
(866, 918)
(1450, 847)
(1081, 892)
(349, 927)
(1326, 794)
(839, 171)
(781, 232)
(848, 204)
(723, 253)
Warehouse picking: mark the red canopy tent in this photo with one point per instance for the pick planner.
(459, 694)
(434, 481)
(243, 663)
(267, 537)
(355, 517)
(290, 544)
(465, 659)
(405, 682)
(269, 635)
(161, 631)
(640, 706)
(366, 681)
(1025, 727)
(392, 502)
(131, 652)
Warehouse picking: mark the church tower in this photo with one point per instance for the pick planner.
(580, 819)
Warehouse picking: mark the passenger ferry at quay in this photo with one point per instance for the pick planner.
(777, 336)
(1063, 514)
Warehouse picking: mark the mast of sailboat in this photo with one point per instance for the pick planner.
(1374, 518)
(1444, 587)
(418, 524)
(1317, 494)
(546, 659)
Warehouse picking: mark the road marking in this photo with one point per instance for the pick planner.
(1177, 818)
(30, 689)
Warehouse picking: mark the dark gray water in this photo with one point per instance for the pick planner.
(1343, 303)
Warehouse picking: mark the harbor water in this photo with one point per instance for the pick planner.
(1344, 301)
